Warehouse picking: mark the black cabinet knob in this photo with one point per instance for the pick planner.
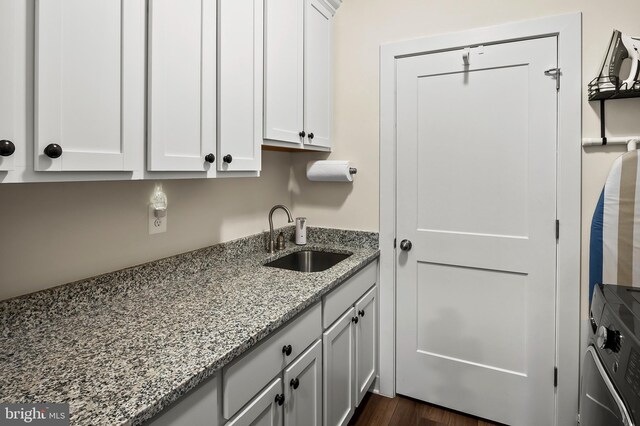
(7, 148)
(361, 312)
(294, 383)
(53, 150)
(302, 134)
(286, 349)
(405, 245)
(227, 158)
(310, 135)
(354, 320)
(280, 399)
(209, 158)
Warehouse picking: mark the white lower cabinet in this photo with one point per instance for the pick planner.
(200, 407)
(303, 389)
(263, 410)
(349, 348)
(338, 372)
(366, 344)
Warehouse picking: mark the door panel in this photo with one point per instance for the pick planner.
(303, 389)
(89, 91)
(182, 84)
(284, 68)
(240, 84)
(338, 371)
(366, 345)
(317, 70)
(477, 198)
(263, 410)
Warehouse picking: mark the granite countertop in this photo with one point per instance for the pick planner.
(121, 347)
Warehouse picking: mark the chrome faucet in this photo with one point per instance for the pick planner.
(272, 245)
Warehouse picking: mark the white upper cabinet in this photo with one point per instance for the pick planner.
(89, 84)
(317, 82)
(181, 132)
(298, 74)
(240, 84)
(284, 71)
(12, 84)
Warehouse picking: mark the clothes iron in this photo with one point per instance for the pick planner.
(621, 47)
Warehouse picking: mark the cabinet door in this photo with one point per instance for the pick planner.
(284, 66)
(303, 389)
(317, 74)
(89, 87)
(366, 344)
(182, 84)
(338, 372)
(13, 48)
(240, 24)
(263, 410)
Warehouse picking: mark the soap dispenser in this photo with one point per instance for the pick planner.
(301, 231)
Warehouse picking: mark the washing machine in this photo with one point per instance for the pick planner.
(610, 386)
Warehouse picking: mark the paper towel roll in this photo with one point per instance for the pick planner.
(329, 171)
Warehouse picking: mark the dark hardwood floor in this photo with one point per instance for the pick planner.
(376, 410)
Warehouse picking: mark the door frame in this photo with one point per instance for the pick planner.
(568, 31)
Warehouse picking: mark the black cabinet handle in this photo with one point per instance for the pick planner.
(280, 399)
(209, 158)
(7, 148)
(354, 320)
(227, 158)
(286, 349)
(294, 383)
(310, 135)
(302, 134)
(361, 312)
(53, 150)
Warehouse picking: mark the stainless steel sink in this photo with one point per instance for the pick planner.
(308, 260)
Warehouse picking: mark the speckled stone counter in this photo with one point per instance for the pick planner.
(122, 346)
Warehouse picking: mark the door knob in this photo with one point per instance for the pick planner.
(280, 399)
(361, 312)
(286, 349)
(295, 383)
(227, 158)
(354, 320)
(6, 148)
(405, 245)
(210, 158)
(302, 134)
(311, 135)
(53, 150)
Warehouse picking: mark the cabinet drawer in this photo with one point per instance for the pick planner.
(243, 378)
(342, 298)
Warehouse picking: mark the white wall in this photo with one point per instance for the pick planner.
(54, 233)
(361, 26)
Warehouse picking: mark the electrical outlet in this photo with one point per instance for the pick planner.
(157, 225)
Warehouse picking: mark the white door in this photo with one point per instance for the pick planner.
(240, 28)
(366, 345)
(303, 389)
(338, 371)
(477, 199)
(182, 85)
(264, 409)
(317, 74)
(13, 50)
(89, 88)
(284, 66)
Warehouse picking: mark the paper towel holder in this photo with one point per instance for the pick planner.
(353, 170)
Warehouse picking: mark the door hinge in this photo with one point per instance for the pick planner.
(394, 243)
(554, 72)
(557, 229)
(555, 377)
